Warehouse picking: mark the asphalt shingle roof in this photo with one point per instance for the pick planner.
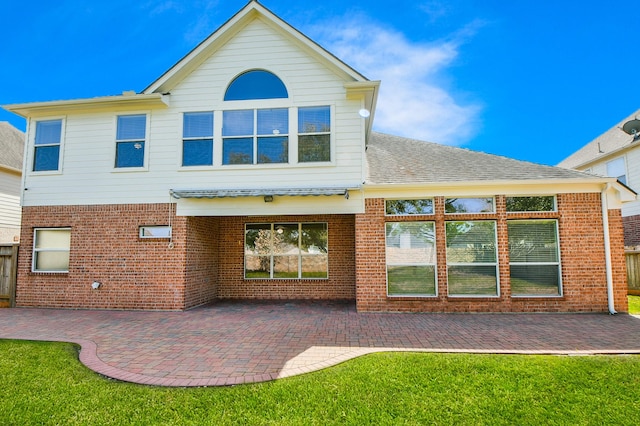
(611, 140)
(11, 146)
(398, 160)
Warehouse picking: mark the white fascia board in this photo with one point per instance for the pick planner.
(605, 157)
(367, 91)
(253, 10)
(121, 102)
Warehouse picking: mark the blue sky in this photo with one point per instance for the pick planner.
(529, 79)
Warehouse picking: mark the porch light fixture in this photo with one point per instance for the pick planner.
(268, 198)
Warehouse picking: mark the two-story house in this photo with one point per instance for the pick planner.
(11, 151)
(615, 153)
(250, 170)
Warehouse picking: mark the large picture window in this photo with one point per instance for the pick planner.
(47, 145)
(472, 260)
(255, 136)
(51, 250)
(411, 259)
(130, 140)
(286, 250)
(197, 139)
(534, 258)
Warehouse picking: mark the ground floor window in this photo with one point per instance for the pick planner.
(411, 259)
(534, 258)
(51, 249)
(286, 250)
(472, 261)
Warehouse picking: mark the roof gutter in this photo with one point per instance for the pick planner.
(607, 249)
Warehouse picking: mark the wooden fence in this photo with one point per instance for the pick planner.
(633, 271)
(8, 273)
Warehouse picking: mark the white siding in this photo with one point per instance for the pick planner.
(88, 176)
(9, 200)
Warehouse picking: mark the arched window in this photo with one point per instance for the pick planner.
(256, 84)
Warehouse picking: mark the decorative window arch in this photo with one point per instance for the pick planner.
(256, 84)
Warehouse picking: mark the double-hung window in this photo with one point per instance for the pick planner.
(130, 140)
(314, 134)
(472, 258)
(286, 250)
(534, 257)
(47, 145)
(51, 248)
(197, 139)
(255, 136)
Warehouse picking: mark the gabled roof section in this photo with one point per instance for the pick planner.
(11, 146)
(253, 10)
(397, 160)
(607, 144)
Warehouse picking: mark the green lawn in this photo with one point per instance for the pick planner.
(634, 305)
(44, 383)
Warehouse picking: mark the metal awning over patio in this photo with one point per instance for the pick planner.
(265, 192)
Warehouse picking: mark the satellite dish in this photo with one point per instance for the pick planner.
(364, 113)
(632, 127)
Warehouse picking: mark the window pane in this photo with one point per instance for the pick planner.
(471, 242)
(530, 204)
(314, 238)
(407, 207)
(316, 266)
(131, 127)
(48, 132)
(472, 280)
(314, 119)
(237, 151)
(535, 280)
(533, 241)
(257, 266)
(285, 266)
(469, 205)
(285, 238)
(314, 148)
(273, 150)
(197, 125)
(256, 84)
(258, 239)
(46, 158)
(197, 152)
(53, 239)
(130, 154)
(411, 280)
(410, 243)
(52, 261)
(237, 123)
(273, 121)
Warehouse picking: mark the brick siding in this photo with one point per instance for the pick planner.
(631, 230)
(581, 242)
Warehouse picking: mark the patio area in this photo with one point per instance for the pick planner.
(235, 342)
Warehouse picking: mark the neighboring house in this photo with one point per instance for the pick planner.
(249, 170)
(11, 151)
(615, 153)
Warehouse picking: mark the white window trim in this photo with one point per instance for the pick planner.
(435, 265)
(145, 164)
(181, 138)
(433, 207)
(472, 197)
(32, 149)
(559, 263)
(141, 232)
(33, 253)
(496, 264)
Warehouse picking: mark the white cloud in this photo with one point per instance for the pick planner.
(413, 100)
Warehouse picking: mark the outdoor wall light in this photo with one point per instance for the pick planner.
(268, 198)
(96, 285)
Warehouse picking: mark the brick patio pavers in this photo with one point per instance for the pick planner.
(244, 342)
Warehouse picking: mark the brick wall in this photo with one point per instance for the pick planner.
(631, 230)
(582, 260)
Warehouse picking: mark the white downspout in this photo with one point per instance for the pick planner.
(607, 249)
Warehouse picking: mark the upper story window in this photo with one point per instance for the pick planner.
(617, 169)
(256, 84)
(46, 155)
(255, 136)
(197, 139)
(130, 140)
(314, 134)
